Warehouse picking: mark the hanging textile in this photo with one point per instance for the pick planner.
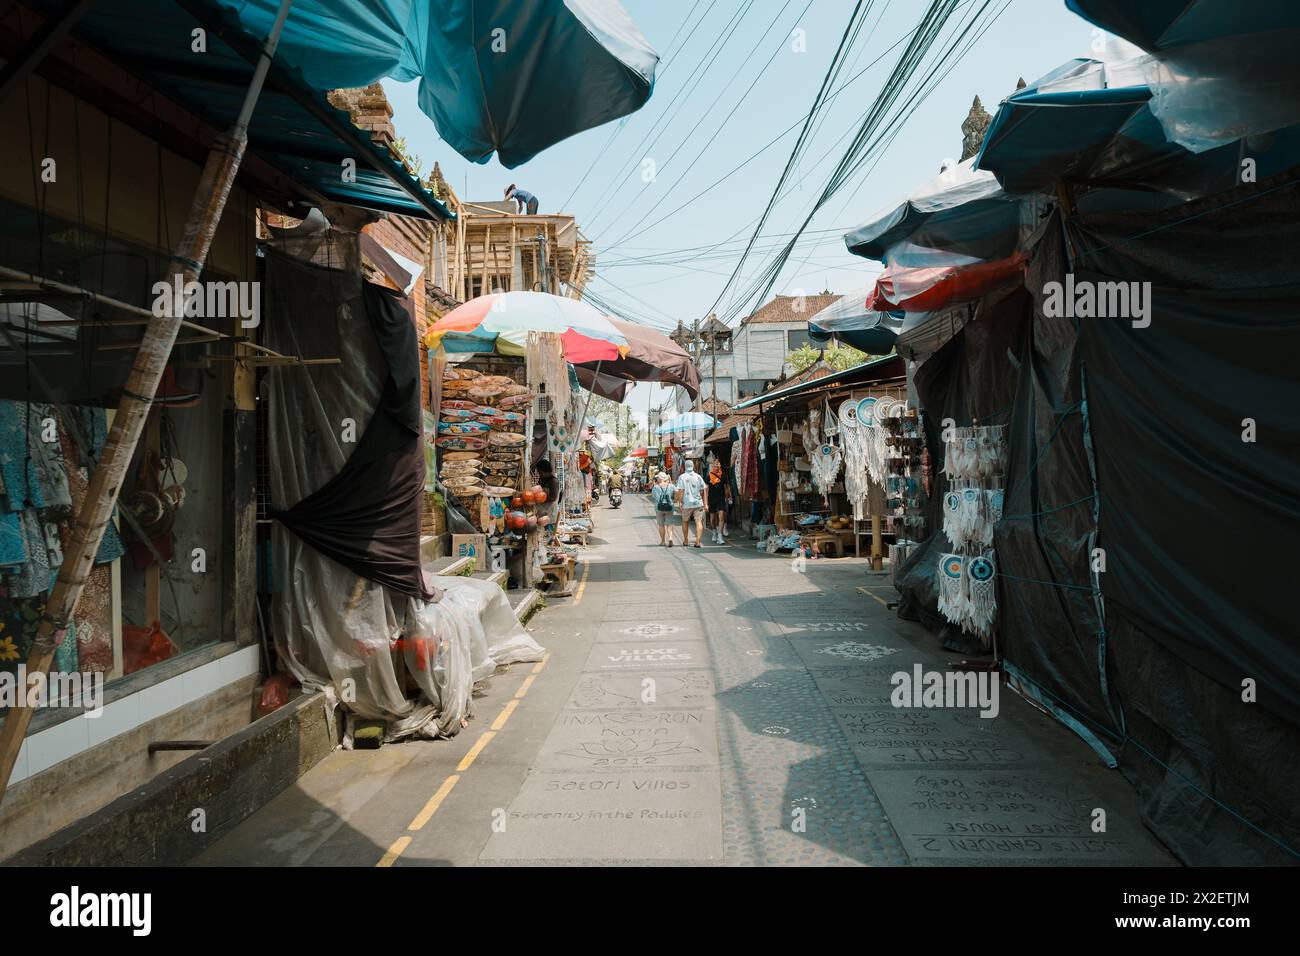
(367, 517)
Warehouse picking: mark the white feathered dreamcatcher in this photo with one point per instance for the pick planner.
(825, 467)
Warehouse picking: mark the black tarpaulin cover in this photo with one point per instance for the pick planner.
(367, 517)
(1196, 524)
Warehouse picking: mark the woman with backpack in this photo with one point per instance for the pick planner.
(662, 495)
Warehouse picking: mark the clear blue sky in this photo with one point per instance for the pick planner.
(707, 70)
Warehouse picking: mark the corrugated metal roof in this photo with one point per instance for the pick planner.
(867, 371)
(294, 128)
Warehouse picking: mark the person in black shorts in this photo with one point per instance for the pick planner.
(717, 502)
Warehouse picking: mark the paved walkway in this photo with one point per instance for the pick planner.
(711, 706)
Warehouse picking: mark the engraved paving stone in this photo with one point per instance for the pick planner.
(636, 655)
(978, 817)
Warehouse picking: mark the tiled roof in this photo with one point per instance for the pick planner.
(789, 308)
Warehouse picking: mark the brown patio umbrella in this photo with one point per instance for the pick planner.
(652, 357)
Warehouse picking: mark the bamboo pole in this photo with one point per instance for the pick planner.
(215, 183)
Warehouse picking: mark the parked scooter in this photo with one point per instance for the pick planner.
(615, 497)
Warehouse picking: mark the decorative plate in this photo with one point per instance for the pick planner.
(867, 411)
(461, 428)
(462, 442)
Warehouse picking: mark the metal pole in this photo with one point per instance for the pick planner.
(215, 183)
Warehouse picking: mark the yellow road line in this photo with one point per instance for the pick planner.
(505, 714)
(474, 751)
(874, 597)
(432, 806)
(582, 586)
(394, 851)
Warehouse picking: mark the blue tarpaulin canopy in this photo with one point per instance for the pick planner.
(294, 129)
(686, 422)
(961, 207)
(510, 76)
(1165, 24)
(851, 321)
(1090, 123)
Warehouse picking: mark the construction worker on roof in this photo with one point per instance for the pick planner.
(525, 202)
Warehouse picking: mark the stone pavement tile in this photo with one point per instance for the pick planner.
(793, 793)
(997, 817)
(629, 814)
(672, 690)
(639, 656)
(590, 741)
(851, 649)
(647, 610)
(824, 624)
(892, 737)
(651, 593)
(864, 690)
(621, 632)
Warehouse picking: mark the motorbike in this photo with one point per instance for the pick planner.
(615, 497)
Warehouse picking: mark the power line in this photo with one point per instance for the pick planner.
(861, 150)
(761, 150)
(748, 90)
(689, 87)
(669, 57)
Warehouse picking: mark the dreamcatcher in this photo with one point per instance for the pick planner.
(952, 581)
(968, 592)
(856, 479)
(981, 594)
(872, 436)
(825, 467)
(969, 514)
(976, 451)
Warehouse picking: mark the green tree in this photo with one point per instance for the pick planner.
(839, 357)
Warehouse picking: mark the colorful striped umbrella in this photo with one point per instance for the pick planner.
(502, 321)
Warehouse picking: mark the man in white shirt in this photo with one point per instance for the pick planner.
(691, 488)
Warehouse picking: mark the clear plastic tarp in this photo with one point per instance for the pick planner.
(336, 631)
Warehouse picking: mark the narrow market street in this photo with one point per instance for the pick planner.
(770, 740)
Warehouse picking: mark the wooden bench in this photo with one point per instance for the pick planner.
(558, 577)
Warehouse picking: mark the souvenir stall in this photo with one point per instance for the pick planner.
(729, 443)
(819, 461)
(557, 439)
(484, 418)
(512, 393)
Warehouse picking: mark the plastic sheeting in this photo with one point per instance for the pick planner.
(961, 209)
(1131, 440)
(514, 76)
(934, 287)
(335, 630)
(853, 321)
(1212, 94)
(1131, 121)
